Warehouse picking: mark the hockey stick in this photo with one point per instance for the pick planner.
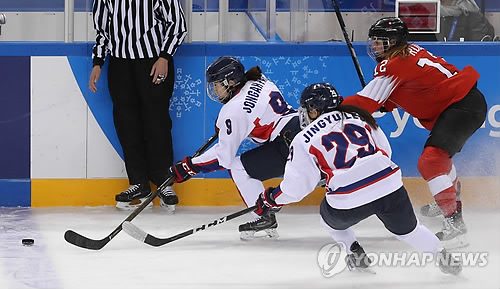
(142, 236)
(87, 243)
(349, 44)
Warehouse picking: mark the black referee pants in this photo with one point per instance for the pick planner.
(141, 117)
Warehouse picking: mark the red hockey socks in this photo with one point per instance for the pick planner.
(434, 165)
(447, 201)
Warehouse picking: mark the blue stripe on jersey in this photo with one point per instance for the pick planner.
(364, 182)
(210, 166)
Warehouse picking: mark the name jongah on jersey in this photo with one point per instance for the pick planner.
(252, 95)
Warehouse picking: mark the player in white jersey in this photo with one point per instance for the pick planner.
(345, 144)
(255, 109)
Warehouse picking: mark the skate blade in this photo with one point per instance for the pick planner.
(459, 241)
(431, 214)
(351, 267)
(169, 209)
(132, 205)
(451, 271)
(264, 234)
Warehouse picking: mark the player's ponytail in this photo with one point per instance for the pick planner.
(254, 73)
(362, 113)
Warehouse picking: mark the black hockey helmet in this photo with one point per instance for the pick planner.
(223, 70)
(322, 97)
(391, 30)
(390, 27)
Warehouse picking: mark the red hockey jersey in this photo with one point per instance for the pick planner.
(422, 84)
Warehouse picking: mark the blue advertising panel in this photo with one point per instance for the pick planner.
(14, 131)
(15, 117)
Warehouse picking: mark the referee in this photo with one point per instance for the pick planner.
(140, 37)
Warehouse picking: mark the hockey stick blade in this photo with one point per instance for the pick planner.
(137, 233)
(81, 241)
(86, 243)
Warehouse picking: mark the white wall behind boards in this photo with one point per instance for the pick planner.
(66, 141)
(102, 159)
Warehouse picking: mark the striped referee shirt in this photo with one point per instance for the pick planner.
(133, 29)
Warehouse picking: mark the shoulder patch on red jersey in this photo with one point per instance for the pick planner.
(380, 88)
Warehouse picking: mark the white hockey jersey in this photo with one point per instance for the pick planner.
(258, 111)
(355, 158)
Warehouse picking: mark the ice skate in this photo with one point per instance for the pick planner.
(133, 197)
(453, 234)
(168, 199)
(448, 264)
(265, 224)
(433, 210)
(358, 260)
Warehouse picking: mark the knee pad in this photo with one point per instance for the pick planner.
(434, 162)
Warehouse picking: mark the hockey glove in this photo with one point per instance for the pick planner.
(183, 170)
(266, 202)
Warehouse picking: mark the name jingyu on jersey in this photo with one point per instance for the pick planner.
(316, 126)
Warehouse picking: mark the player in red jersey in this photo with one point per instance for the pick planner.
(443, 98)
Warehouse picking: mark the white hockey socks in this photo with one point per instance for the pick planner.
(344, 236)
(422, 239)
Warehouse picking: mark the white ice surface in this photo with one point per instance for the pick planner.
(215, 258)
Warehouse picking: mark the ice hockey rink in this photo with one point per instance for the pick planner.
(216, 257)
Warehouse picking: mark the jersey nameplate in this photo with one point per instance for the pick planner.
(322, 122)
(253, 95)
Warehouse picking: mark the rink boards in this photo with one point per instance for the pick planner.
(59, 147)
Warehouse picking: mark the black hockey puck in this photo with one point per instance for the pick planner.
(28, 242)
